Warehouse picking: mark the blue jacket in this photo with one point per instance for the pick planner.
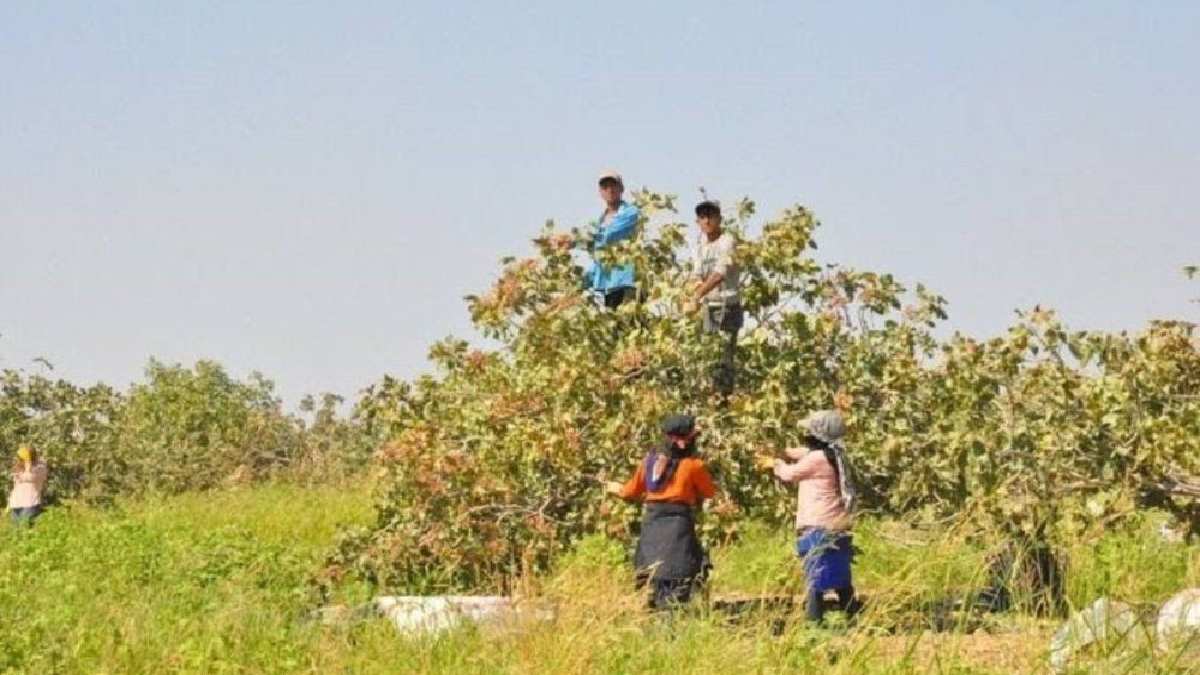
(622, 226)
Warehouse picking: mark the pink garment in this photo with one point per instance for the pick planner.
(28, 487)
(818, 501)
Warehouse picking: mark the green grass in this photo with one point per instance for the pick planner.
(210, 582)
(217, 583)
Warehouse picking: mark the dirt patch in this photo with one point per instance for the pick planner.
(1022, 651)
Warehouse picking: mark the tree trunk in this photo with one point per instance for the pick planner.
(1025, 574)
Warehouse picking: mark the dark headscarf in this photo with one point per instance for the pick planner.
(661, 464)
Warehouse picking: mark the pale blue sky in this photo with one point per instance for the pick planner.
(308, 189)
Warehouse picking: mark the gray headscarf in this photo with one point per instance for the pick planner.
(828, 427)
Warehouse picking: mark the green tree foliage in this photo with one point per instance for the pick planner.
(179, 429)
(492, 465)
(194, 428)
(334, 447)
(72, 426)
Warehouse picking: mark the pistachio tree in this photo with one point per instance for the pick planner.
(492, 464)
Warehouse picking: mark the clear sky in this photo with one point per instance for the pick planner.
(309, 188)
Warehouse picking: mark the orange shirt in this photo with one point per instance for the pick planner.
(690, 485)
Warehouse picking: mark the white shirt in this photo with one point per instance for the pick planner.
(717, 257)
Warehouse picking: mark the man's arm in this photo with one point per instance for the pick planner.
(708, 284)
(724, 262)
(621, 227)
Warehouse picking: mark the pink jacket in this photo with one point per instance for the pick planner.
(818, 500)
(28, 487)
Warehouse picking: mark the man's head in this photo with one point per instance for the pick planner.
(708, 217)
(612, 187)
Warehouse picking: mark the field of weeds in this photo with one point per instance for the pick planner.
(219, 582)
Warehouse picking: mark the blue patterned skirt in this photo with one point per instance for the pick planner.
(826, 557)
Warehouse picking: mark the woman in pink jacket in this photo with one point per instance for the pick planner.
(824, 502)
(29, 484)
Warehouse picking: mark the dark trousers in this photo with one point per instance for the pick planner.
(26, 515)
(727, 320)
(619, 296)
(814, 606)
(671, 593)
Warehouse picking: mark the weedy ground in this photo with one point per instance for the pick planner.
(218, 582)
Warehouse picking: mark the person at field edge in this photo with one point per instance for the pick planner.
(29, 475)
(716, 292)
(673, 483)
(618, 222)
(824, 504)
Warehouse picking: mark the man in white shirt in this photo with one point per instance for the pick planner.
(716, 292)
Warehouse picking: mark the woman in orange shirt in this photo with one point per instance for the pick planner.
(673, 483)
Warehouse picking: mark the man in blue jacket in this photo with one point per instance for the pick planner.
(618, 223)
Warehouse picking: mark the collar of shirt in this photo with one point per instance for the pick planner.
(621, 208)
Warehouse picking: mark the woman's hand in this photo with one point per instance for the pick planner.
(765, 462)
(613, 487)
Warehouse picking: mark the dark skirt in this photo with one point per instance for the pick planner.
(668, 549)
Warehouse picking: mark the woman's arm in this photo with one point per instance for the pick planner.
(703, 482)
(635, 487)
(795, 454)
(792, 472)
